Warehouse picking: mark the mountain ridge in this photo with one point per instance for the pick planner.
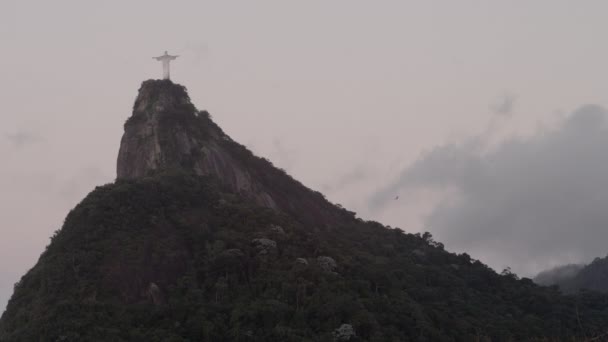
(574, 278)
(186, 246)
(167, 132)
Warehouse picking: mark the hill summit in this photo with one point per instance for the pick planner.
(167, 133)
(200, 240)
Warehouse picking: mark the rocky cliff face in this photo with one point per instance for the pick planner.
(166, 132)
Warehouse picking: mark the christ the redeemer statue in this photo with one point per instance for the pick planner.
(166, 58)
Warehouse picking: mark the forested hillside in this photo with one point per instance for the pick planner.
(200, 240)
(177, 258)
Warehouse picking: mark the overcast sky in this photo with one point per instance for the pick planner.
(477, 114)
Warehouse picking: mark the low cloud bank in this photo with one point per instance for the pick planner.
(529, 203)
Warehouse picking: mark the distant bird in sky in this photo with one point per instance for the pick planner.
(396, 197)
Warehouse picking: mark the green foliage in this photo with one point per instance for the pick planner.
(186, 236)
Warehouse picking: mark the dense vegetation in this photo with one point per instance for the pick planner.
(178, 257)
(174, 257)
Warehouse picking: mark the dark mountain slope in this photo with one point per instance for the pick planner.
(193, 245)
(593, 276)
(173, 258)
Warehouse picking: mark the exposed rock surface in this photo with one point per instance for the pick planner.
(167, 132)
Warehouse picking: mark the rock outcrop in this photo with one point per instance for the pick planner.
(167, 132)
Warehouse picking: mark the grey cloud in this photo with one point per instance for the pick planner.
(558, 274)
(505, 105)
(442, 167)
(526, 203)
(22, 138)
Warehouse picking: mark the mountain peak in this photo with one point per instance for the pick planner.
(167, 133)
(198, 255)
(150, 142)
(158, 96)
